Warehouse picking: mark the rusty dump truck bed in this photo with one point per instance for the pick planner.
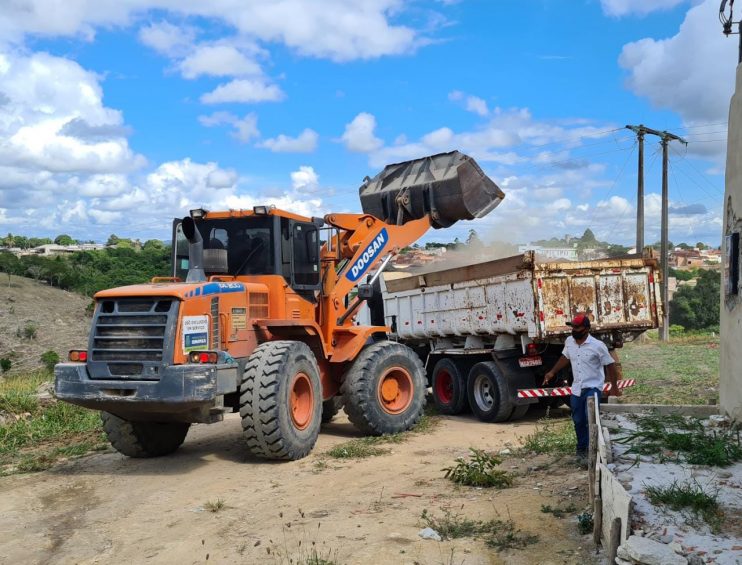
(518, 295)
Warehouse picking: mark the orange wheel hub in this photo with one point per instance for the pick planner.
(395, 390)
(301, 403)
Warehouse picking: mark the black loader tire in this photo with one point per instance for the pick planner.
(274, 372)
(330, 408)
(518, 412)
(489, 396)
(143, 439)
(384, 389)
(448, 382)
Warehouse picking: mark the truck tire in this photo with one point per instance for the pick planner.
(384, 389)
(449, 387)
(143, 439)
(281, 400)
(518, 412)
(489, 396)
(330, 408)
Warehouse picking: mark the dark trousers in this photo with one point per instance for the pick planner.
(579, 417)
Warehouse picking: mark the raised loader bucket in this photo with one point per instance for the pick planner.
(448, 186)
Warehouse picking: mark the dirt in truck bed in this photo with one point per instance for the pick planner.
(211, 502)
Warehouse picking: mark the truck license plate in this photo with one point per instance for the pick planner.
(530, 361)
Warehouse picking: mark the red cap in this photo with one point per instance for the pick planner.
(580, 321)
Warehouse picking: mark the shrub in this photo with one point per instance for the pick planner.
(5, 364)
(479, 471)
(27, 332)
(49, 359)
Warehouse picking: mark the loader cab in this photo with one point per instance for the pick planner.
(255, 245)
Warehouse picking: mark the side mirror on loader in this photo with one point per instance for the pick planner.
(365, 291)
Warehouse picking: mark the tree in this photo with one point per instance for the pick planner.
(113, 239)
(473, 239)
(588, 236)
(64, 239)
(697, 307)
(700, 246)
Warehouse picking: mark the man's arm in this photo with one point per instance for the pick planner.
(560, 364)
(613, 377)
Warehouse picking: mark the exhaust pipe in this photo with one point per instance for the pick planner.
(195, 251)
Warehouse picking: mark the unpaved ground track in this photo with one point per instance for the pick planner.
(106, 508)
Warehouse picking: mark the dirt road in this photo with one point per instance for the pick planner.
(106, 508)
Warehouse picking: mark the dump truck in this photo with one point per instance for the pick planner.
(256, 317)
(488, 332)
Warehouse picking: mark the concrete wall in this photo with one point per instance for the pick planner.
(730, 389)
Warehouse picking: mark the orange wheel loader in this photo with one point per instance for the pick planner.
(257, 318)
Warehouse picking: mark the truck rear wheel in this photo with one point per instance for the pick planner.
(385, 389)
(281, 400)
(518, 412)
(449, 387)
(489, 397)
(143, 439)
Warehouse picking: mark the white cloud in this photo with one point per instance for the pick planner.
(471, 103)
(218, 60)
(305, 142)
(54, 119)
(618, 8)
(168, 39)
(691, 73)
(359, 134)
(245, 128)
(493, 141)
(477, 105)
(244, 91)
(305, 180)
(340, 30)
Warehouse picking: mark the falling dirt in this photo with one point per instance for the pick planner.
(106, 508)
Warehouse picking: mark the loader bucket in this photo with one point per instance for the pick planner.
(448, 186)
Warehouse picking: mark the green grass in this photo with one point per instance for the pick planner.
(215, 506)
(371, 446)
(688, 496)
(683, 371)
(558, 512)
(480, 470)
(42, 434)
(555, 437)
(679, 439)
(499, 534)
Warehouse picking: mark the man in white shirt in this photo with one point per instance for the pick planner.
(588, 357)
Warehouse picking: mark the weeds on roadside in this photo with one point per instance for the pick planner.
(480, 470)
(688, 496)
(558, 512)
(500, 534)
(675, 438)
(556, 437)
(38, 435)
(305, 552)
(585, 523)
(215, 505)
(363, 447)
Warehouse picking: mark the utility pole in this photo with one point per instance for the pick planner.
(665, 138)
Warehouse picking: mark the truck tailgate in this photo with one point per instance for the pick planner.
(619, 294)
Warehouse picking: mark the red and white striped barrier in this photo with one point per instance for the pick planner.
(565, 390)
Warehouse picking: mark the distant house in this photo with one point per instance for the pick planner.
(54, 249)
(685, 258)
(559, 253)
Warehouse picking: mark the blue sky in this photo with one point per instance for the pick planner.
(116, 116)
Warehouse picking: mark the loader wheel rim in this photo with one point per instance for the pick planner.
(396, 390)
(444, 387)
(483, 393)
(301, 402)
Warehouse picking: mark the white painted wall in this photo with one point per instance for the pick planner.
(730, 388)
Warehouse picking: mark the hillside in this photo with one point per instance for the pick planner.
(58, 316)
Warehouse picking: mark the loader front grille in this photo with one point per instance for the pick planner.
(130, 337)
